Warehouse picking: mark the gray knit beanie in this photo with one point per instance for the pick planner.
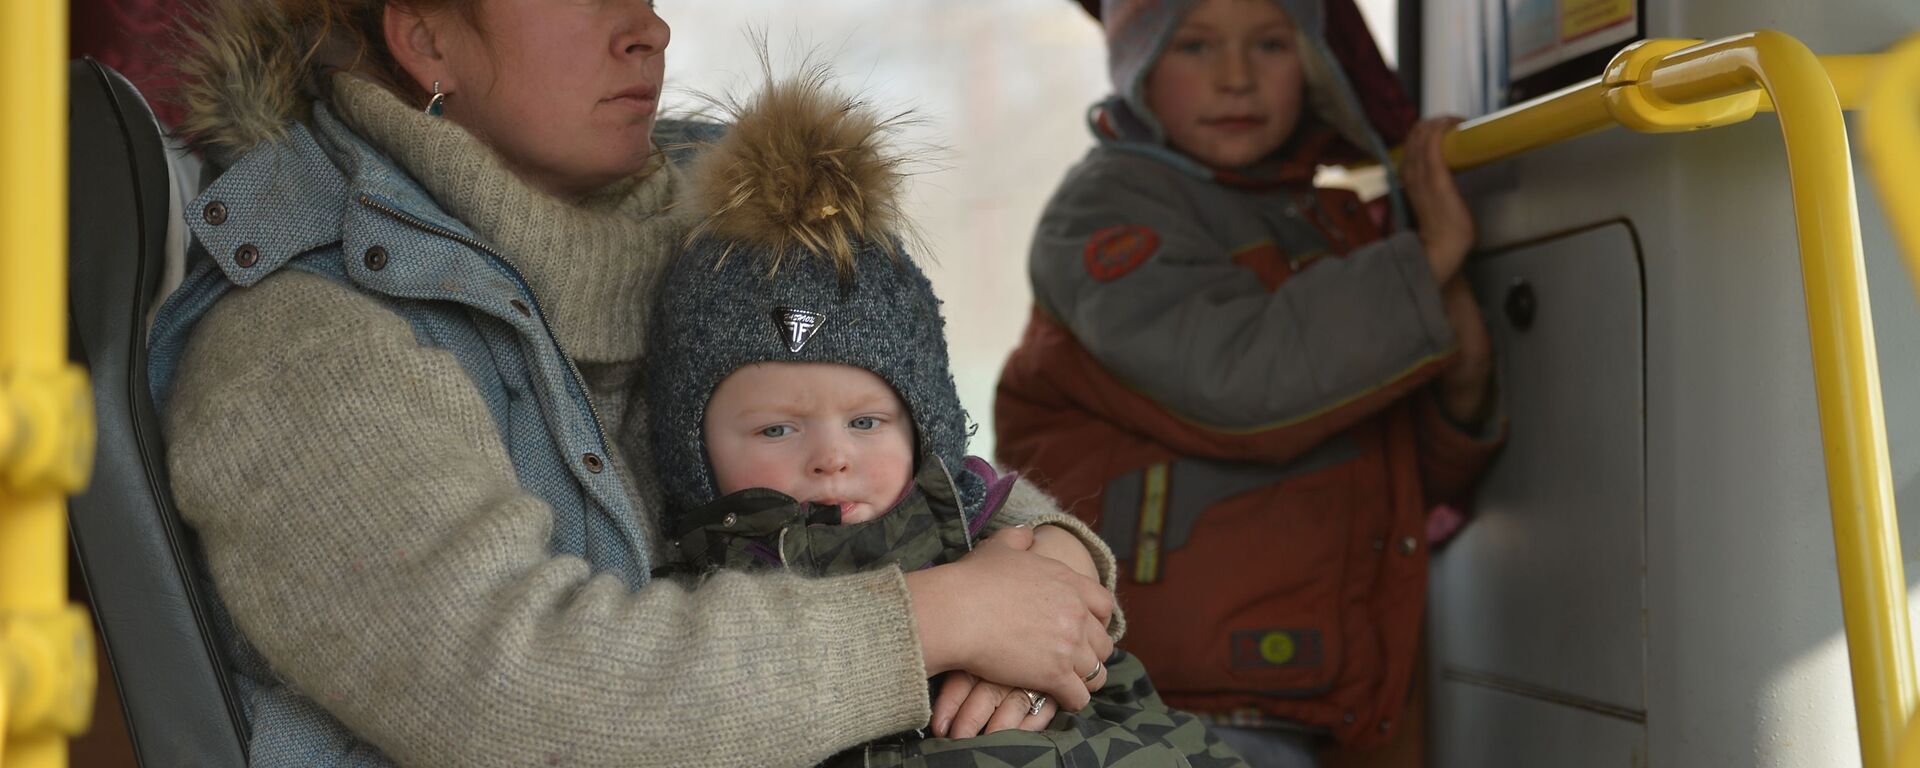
(798, 259)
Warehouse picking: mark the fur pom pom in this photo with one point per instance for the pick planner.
(803, 170)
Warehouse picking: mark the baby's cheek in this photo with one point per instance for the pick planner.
(902, 495)
(742, 468)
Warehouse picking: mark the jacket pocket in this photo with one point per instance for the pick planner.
(1232, 575)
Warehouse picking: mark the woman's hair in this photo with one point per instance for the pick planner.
(351, 34)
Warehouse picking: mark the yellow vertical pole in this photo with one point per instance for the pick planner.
(38, 644)
(1690, 85)
(1846, 366)
(1683, 85)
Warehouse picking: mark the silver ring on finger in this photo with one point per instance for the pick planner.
(1098, 667)
(1035, 702)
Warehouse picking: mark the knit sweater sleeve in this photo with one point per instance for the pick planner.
(363, 525)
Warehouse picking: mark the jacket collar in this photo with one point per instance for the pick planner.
(315, 189)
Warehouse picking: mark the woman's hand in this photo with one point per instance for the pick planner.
(1466, 384)
(968, 706)
(1445, 224)
(1006, 614)
(1060, 544)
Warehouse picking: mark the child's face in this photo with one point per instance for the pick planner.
(819, 432)
(1228, 88)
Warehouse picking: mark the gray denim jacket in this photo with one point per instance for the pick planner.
(323, 201)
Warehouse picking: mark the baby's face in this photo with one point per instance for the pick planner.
(1228, 88)
(819, 432)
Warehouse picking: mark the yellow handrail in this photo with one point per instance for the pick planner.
(1669, 85)
(1581, 108)
(46, 422)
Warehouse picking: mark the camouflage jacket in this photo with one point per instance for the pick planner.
(759, 528)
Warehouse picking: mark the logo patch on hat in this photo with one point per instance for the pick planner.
(1115, 251)
(796, 326)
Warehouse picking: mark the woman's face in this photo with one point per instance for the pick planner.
(564, 90)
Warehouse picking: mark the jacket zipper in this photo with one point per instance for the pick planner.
(593, 412)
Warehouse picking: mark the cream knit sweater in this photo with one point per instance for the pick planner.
(362, 523)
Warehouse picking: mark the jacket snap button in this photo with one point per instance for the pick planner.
(376, 258)
(593, 462)
(1409, 545)
(1379, 545)
(521, 307)
(246, 255)
(729, 520)
(1386, 725)
(1348, 719)
(215, 213)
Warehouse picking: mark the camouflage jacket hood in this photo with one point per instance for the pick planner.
(762, 528)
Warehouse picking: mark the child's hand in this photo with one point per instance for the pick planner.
(1464, 385)
(968, 706)
(1445, 225)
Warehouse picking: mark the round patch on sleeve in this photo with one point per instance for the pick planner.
(1115, 251)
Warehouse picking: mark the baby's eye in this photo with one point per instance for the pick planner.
(777, 430)
(864, 423)
(1189, 46)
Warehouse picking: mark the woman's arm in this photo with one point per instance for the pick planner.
(978, 615)
(364, 526)
(1062, 545)
(967, 705)
(1030, 507)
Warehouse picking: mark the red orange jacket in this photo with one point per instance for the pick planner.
(1229, 383)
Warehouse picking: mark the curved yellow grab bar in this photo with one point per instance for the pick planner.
(1846, 368)
(46, 425)
(1666, 85)
(1580, 109)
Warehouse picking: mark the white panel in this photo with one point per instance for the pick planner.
(1545, 587)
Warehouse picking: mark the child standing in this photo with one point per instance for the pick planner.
(804, 418)
(1249, 389)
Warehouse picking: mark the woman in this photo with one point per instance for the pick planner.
(400, 390)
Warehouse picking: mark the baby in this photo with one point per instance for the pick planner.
(804, 417)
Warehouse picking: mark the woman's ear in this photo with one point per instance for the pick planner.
(415, 41)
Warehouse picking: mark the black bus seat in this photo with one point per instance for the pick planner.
(138, 558)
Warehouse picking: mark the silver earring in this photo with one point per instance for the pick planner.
(438, 103)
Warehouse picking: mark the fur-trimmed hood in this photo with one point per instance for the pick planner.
(1138, 32)
(247, 70)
